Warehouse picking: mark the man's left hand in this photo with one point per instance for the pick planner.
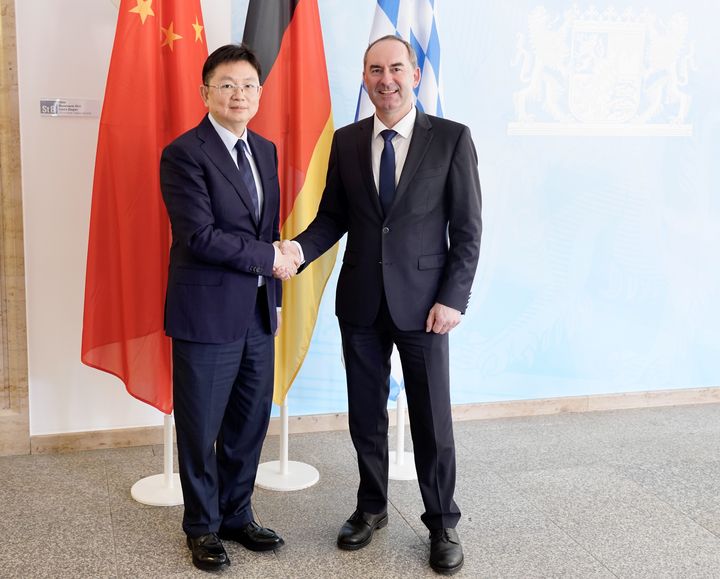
(442, 319)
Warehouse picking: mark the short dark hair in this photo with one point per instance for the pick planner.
(229, 53)
(412, 56)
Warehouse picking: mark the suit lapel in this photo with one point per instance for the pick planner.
(421, 138)
(364, 146)
(266, 168)
(216, 151)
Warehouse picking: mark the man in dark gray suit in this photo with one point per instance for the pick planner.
(404, 186)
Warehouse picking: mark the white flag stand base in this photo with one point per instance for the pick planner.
(153, 490)
(402, 464)
(404, 469)
(284, 474)
(298, 476)
(161, 490)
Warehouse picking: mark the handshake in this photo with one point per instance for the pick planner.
(287, 259)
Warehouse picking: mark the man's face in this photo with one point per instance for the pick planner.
(233, 109)
(390, 79)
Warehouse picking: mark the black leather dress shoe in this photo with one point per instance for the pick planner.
(446, 554)
(357, 532)
(254, 537)
(208, 552)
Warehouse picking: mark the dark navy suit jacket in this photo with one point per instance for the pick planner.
(426, 249)
(219, 248)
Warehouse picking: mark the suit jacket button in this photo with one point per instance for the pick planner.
(386, 230)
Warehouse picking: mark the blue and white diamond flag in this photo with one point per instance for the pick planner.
(416, 22)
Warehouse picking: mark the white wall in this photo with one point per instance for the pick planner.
(64, 51)
(596, 273)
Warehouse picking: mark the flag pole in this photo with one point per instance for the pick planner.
(284, 439)
(284, 474)
(401, 463)
(161, 490)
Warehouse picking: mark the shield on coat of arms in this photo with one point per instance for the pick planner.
(606, 67)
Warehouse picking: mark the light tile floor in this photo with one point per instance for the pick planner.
(606, 494)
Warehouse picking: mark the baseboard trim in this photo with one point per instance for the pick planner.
(126, 437)
(96, 440)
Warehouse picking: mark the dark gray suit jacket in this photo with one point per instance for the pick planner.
(426, 249)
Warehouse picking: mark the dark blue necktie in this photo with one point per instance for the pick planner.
(247, 175)
(386, 184)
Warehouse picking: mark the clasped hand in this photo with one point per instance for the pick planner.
(287, 260)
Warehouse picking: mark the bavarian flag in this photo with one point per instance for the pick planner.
(295, 114)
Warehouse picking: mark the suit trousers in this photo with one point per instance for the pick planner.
(425, 364)
(222, 396)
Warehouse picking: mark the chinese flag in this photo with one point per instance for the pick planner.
(295, 114)
(151, 97)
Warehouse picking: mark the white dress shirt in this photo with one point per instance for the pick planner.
(401, 144)
(230, 139)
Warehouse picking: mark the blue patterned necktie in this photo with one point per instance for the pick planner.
(386, 184)
(247, 175)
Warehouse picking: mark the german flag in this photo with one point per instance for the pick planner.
(295, 114)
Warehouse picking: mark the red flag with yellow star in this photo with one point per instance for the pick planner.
(151, 97)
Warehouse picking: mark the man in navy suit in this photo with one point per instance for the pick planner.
(404, 186)
(220, 186)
